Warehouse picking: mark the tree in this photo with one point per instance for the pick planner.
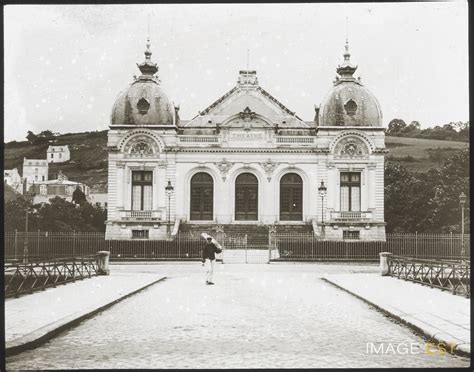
(15, 214)
(31, 137)
(427, 201)
(396, 126)
(57, 215)
(444, 205)
(406, 198)
(78, 197)
(46, 135)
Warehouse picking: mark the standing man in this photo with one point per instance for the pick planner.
(208, 258)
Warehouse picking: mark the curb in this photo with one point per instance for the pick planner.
(436, 337)
(41, 335)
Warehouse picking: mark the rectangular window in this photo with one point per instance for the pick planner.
(60, 155)
(43, 190)
(52, 156)
(350, 235)
(142, 190)
(350, 191)
(140, 234)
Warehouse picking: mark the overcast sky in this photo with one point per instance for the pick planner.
(64, 65)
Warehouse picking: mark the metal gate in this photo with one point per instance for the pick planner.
(237, 250)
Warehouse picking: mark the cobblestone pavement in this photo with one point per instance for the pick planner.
(256, 316)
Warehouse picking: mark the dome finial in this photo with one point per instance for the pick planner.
(347, 54)
(147, 67)
(346, 70)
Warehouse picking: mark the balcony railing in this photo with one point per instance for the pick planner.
(351, 215)
(199, 139)
(142, 215)
(298, 140)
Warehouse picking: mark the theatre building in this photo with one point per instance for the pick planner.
(246, 162)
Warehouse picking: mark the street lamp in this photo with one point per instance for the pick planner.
(322, 193)
(29, 196)
(169, 190)
(462, 201)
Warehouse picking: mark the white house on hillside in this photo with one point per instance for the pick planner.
(58, 154)
(12, 178)
(62, 187)
(35, 170)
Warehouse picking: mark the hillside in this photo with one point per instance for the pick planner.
(417, 154)
(88, 162)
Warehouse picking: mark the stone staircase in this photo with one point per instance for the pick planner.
(257, 234)
(294, 229)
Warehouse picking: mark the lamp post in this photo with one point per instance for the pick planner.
(29, 195)
(169, 190)
(322, 193)
(462, 201)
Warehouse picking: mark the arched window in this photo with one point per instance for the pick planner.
(291, 197)
(246, 197)
(202, 197)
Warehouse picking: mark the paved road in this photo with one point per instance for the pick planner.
(280, 316)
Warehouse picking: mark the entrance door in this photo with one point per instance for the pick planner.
(291, 198)
(202, 197)
(246, 197)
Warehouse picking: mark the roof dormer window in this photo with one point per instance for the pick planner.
(143, 106)
(350, 107)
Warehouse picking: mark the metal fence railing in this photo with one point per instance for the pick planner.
(21, 278)
(187, 246)
(450, 275)
(308, 247)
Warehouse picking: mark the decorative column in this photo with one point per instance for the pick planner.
(371, 186)
(121, 182)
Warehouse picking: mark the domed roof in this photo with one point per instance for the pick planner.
(349, 103)
(143, 102)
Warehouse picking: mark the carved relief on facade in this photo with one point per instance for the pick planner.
(269, 166)
(224, 167)
(350, 147)
(141, 146)
(247, 115)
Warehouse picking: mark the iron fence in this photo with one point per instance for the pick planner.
(308, 247)
(21, 278)
(445, 274)
(187, 246)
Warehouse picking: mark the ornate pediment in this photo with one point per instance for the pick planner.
(248, 102)
(141, 146)
(351, 147)
(247, 115)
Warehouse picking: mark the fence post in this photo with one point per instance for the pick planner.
(416, 244)
(74, 243)
(103, 262)
(38, 243)
(451, 243)
(385, 258)
(246, 248)
(16, 241)
(271, 241)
